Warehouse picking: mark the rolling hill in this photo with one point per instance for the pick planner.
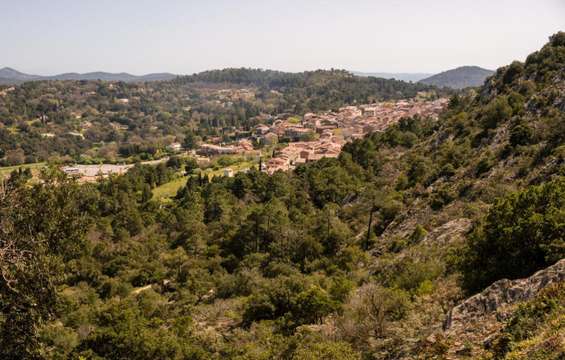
(459, 78)
(12, 76)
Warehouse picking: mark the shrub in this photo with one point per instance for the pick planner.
(521, 134)
(496, 112)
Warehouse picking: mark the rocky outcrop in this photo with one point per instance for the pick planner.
(502, 294)
(449, 232)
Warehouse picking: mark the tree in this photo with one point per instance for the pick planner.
(523, 232)
(190, 141)
(312, 305)
(42, 228)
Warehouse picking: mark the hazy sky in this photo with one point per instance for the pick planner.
(141, 36)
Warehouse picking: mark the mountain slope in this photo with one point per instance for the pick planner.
(9, 74)
(459, 78)
(363, 256)
(492, 148)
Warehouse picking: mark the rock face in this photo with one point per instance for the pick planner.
(449, 232)
(501, 294)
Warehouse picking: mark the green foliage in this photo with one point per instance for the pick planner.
(497, 111)
(125, 332)
(523, 232)
(42, 227)
(409, 275)
(288, 300)
(320, 262)
(521, 134)
(419, 234)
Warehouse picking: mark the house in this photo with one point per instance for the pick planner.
(228, 172)
(245, 145)
(369, 110)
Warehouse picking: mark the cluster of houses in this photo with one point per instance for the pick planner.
(308, 138)
(301, 152)
(324, 134)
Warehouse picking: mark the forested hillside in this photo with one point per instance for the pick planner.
(360, 257)
(314, 90)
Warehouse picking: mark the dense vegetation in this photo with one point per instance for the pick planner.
(313, 90)
(522, 233)
(352, 258)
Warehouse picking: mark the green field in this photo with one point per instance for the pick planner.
(5, 171)
(169, 189)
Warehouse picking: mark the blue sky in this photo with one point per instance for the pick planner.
(141, 36)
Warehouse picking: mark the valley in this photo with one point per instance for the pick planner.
(258, 214)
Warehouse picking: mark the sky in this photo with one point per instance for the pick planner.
(47, 37)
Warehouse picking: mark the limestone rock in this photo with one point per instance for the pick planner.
(502, 293)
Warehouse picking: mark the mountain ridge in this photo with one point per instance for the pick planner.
(10, 76)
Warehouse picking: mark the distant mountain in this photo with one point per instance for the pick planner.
(12, 76)
(7, 74)
(414, 77)
(459, 78)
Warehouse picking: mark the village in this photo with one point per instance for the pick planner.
(322, 135)
(287, 142)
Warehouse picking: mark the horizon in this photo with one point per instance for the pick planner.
(352, 71)
(186, 37)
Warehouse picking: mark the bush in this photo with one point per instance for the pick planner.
(496, 112)
(521, 134)
(484, 165)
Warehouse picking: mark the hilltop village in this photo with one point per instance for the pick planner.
(318, 135)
